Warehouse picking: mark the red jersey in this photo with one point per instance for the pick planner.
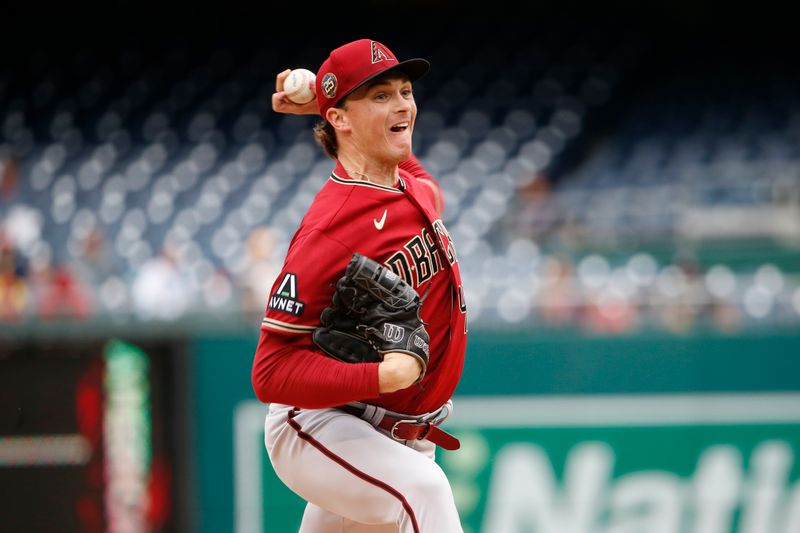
(399, 227)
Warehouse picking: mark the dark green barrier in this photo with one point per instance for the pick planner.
(237, 490)
(657, 463)
(533, 363)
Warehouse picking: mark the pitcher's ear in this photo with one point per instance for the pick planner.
(338, 119)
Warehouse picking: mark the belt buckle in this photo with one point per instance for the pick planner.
(396, 424)
(413, 422)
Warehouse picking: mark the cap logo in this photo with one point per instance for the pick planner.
(329, 85)
(379, 53)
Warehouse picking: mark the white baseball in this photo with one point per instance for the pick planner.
(297, 86)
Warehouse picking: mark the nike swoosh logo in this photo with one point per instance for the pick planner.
(379, 223)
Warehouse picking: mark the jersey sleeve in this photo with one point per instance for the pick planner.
(305, 284)
(429, 184)
(290, 370)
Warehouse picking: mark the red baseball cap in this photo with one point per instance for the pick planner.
(353, 64)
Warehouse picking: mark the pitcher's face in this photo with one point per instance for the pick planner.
(382, 116)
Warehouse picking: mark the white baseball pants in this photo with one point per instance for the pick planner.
(355, 477)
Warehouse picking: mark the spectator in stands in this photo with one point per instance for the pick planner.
(9, 175)
(14, 292)
(94, 265)
(609, 312)
(263, 266)
(160, 289)
(538, 217)
(95, 262)
(218, 292)
(680, 295)
(60, 294)
(725, 315)
(558, 299)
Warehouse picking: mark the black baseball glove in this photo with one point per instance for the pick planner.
(373, 311)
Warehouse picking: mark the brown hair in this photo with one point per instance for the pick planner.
(325, 136)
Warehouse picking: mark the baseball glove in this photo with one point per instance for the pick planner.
(373, 312)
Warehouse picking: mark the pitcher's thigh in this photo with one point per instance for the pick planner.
(343, 465)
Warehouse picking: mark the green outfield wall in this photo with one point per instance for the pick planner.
(560, 433)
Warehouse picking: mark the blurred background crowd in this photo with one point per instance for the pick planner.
(597, 174)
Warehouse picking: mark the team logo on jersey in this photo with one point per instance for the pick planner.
(329, 85)
(379, 53)
(284, 300)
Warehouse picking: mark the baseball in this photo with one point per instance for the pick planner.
(297, 86)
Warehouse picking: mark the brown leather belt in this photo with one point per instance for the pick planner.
(410, 428)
